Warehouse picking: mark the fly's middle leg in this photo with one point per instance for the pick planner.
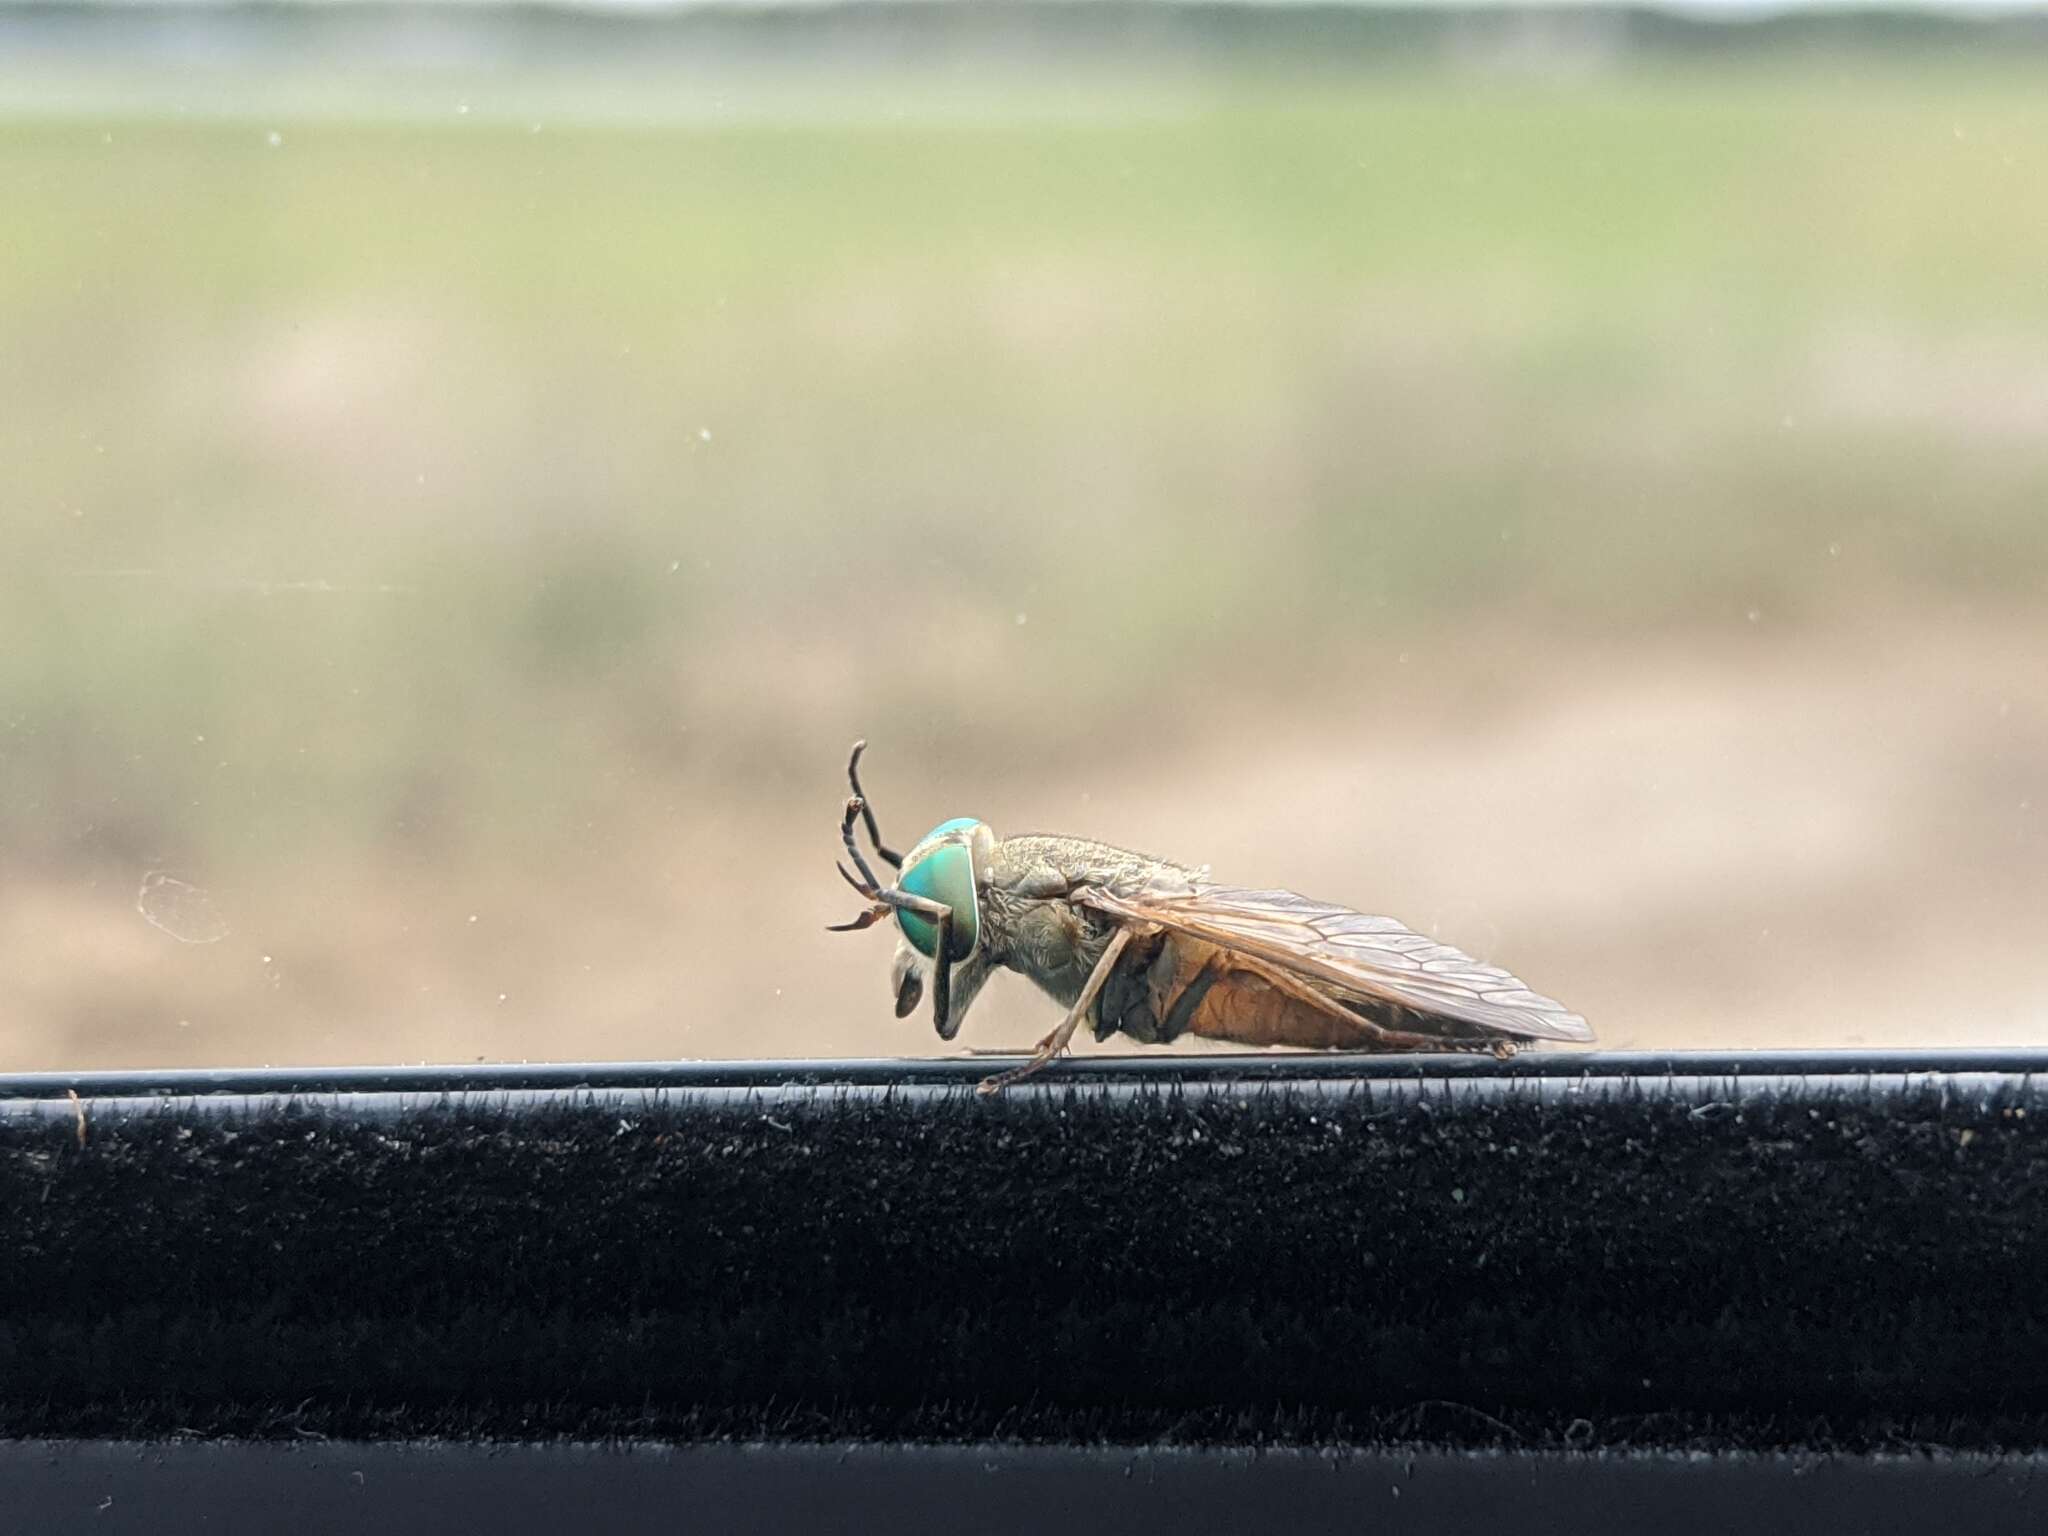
(1056, 1042)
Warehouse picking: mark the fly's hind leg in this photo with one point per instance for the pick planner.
(1056, 1042)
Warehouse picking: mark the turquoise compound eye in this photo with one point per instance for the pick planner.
(946, 874)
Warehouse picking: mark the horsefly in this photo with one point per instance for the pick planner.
(1153, 950)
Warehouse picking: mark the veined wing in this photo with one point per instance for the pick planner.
(1351, 954)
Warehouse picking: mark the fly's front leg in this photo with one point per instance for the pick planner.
(1056, 1042)
(882, 850)
(941, 918)
(942, 974)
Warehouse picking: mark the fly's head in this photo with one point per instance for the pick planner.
(948, 867)
(936, 904)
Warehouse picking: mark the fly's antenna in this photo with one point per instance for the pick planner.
(883, 851)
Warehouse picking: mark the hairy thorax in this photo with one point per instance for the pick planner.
(1031, 925)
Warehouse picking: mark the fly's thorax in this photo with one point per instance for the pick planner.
(1045, 864)
(1030, 921)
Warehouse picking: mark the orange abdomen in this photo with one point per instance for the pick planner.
(1169, 984)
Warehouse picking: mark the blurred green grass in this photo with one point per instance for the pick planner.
(409, 482)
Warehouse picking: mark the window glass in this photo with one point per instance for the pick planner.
(1577, 484)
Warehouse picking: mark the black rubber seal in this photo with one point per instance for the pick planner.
(1740, 1253)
